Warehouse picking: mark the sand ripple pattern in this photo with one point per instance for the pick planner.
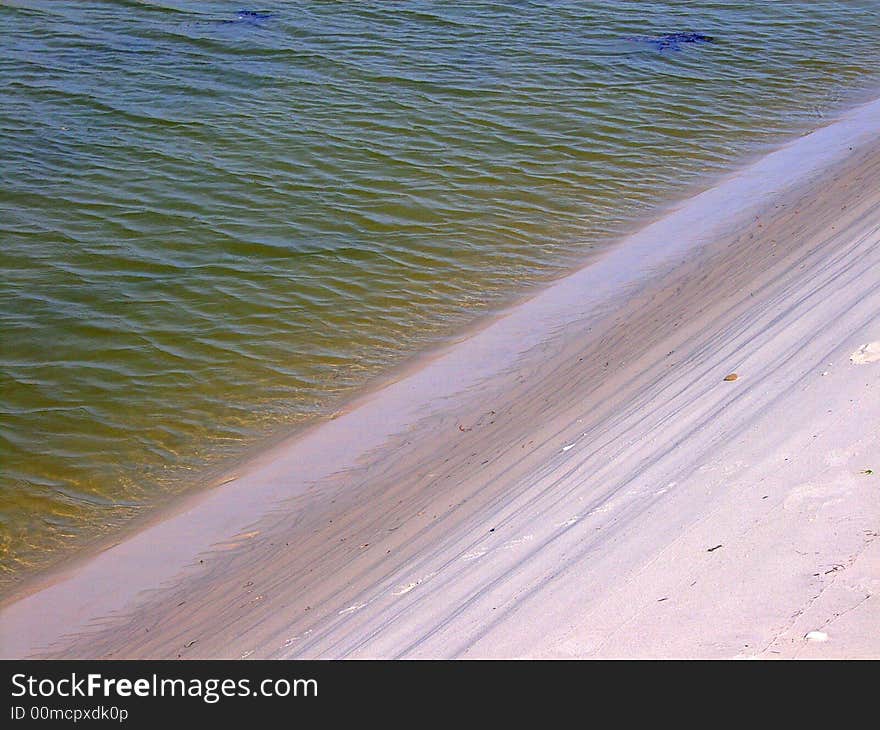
(212, 227)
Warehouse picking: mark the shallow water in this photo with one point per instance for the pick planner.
(214, 225)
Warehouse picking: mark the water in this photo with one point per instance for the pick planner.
(214, 225)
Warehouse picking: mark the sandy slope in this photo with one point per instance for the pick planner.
(577, 479)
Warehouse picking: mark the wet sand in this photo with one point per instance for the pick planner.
(576, 479)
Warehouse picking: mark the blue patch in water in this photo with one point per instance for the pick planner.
(252, 16)
(673, 41)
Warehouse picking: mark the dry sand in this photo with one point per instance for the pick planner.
(577, 479)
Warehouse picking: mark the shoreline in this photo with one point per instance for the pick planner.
(394, 506)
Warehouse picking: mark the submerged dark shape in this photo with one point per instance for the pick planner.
(250, 16)
(673, 41)
(687, 38)
(244, 17)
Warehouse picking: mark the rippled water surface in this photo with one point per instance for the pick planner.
(213, 224)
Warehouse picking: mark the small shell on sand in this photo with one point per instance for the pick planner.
(731, 377)
(866, 353)
(816, 636)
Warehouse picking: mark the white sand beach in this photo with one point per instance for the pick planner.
(575, 479)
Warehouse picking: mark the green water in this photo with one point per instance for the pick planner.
(213, 226)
